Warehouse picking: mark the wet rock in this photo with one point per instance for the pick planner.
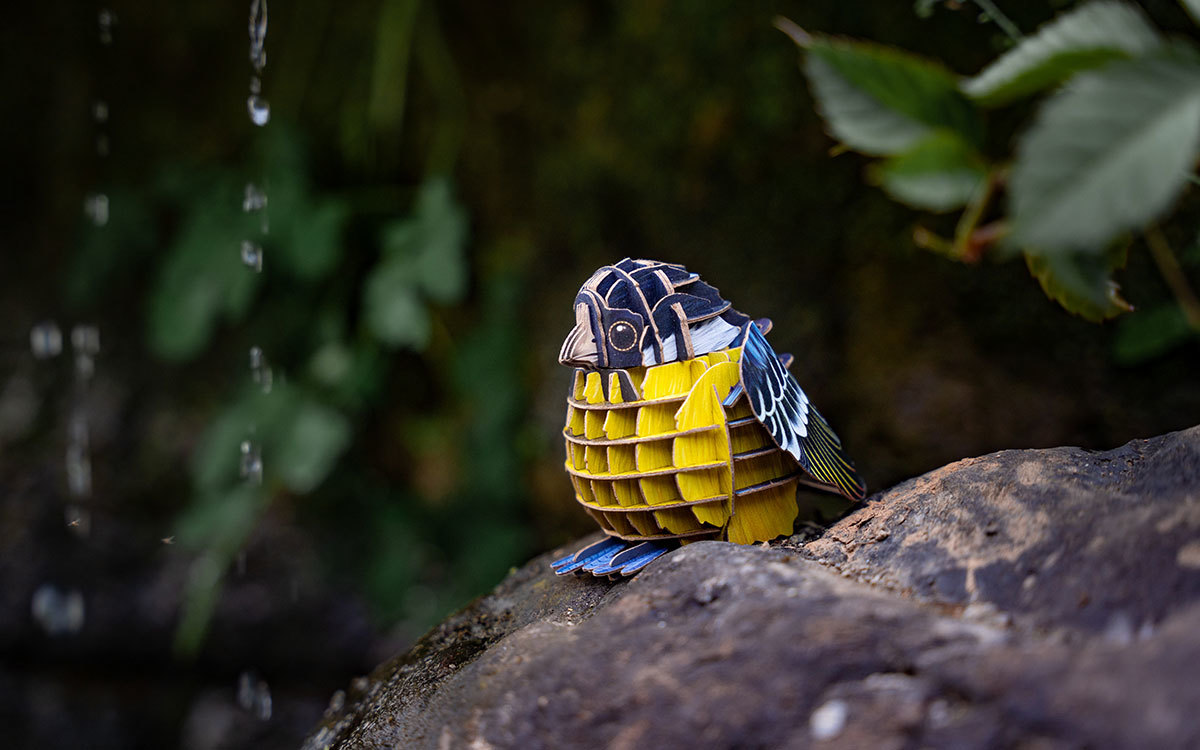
(1023, 599)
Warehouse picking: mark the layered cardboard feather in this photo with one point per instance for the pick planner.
(655, 454)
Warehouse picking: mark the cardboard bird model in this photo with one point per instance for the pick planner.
(682, 422)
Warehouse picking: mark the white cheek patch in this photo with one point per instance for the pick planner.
(712, 336)
(669, 353)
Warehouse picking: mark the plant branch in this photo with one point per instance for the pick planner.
(964, 248)
(1006, 25)
(1173, 274)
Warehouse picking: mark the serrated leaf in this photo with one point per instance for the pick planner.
(1106, 155)
(394, 312)
(941, 173)
(1081, 283)
(1149, 333)
(882, 101)
(1087, 37)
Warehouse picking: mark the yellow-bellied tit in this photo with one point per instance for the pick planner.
(682, 422)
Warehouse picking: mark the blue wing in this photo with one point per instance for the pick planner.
(796, 427)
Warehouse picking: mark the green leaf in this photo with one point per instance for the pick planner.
(1108, 154)
(434, 239)
(202, 278)
(314, 244)
(1149, 333)
(941, 173)
(882, 101)
(214, 519)
(1193, 9)
(1087, 37)
(309, 445)
(1081, 283)
(393, 310)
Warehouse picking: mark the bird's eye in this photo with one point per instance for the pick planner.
(622, 336)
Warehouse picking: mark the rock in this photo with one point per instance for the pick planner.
(1046, 599)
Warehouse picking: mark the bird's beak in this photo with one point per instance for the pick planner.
(580, 350)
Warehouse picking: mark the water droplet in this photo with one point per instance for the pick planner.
(100, 110)
(95, 207)
(57, 612)
(252, 255)
(260, 370)
(254, 695)
(254, 199)
(245, 690)
(46, 340)
(85, 341)
(251, 468)
(102, 145)
(259, 109)
(79, 462)
(106, 19)
(79, 520)
(262, 706)
(258, 34)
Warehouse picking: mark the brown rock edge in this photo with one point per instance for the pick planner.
(1028, 598)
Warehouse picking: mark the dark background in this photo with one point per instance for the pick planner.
(574, 134)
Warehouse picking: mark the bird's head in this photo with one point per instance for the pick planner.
(644, 312)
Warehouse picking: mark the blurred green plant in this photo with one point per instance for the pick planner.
(348, 310)
(1106, 156)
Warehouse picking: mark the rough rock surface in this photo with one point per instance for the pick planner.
(1032, 599)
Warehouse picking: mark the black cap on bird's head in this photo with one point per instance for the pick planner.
(645, 312)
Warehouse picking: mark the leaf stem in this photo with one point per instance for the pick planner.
(1172, 273)
(1007, 26)
(969, 221)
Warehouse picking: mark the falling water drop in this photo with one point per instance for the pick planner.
(46, 340)
(106, 19)
(101, 145)
(254, 695)
(95, 207)
(255, 199)
(85, 342)
(258, 34)
(79, 461)
(100, 111)
(57, 612)
(259, 109)
(262, 705)
(252, 255)
(251, 467)
(260, 369)
(245, 690)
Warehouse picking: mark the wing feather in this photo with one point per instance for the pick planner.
(781, 405)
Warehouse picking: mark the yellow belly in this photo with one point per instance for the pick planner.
(672, 462)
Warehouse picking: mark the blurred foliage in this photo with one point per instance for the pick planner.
(345, 280)
(1107, 153)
